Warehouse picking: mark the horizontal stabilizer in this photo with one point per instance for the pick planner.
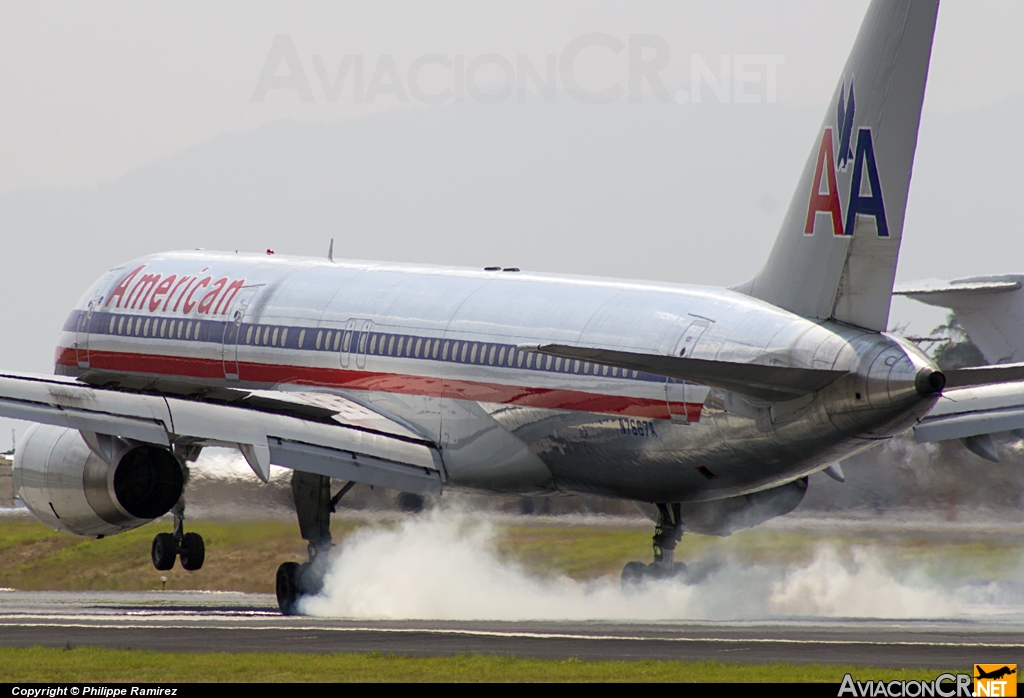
(971, 412)
(769, 383)
(983, 375)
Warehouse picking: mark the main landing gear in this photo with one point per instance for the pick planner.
(314, 505)
(188, 546)
(667, 534)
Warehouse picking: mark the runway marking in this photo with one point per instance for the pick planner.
(522, 635)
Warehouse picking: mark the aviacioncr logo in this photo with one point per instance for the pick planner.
(864, 187)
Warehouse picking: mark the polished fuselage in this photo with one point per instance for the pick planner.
(438, 348)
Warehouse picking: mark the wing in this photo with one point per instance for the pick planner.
(764, 382)
(312, 432)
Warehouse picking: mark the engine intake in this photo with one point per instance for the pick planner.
(68, 486)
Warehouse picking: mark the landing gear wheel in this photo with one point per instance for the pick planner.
(288, 588)
(636, 573)
(165, 549)
(633, 574)
(410, 503)
(193, 551)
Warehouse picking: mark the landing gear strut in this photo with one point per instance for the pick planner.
(169, 546)
(667, 534)
(314, 505)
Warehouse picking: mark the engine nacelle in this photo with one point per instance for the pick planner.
(69, 487)
(724, 516)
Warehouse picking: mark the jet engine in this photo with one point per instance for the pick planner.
(69, 487)
(721, 517)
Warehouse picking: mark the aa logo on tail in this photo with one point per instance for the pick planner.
(835, 155)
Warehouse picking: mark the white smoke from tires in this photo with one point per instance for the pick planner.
(444, 565)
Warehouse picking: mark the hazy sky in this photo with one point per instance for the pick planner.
(94, 90)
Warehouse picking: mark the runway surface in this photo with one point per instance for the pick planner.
(235, 622)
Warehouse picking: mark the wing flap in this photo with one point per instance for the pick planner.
(764, 382)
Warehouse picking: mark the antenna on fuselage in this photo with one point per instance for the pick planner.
(330, 251)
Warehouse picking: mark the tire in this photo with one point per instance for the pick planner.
(410, 503)
(164, 551)
(288, 588)
(193, 552)
(633, 574)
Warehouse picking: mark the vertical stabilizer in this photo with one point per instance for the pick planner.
(835, 256)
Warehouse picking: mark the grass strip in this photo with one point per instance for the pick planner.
(93, 664)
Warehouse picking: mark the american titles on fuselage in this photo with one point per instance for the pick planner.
(155, 292)
(835, 154)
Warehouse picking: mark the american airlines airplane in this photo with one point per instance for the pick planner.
(708, 406)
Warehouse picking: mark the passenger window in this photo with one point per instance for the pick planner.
(373, 344)
(273, 338)
(604, 370)
(465, 349)
(337, 339)
(348, 340)
(145, 328)
(519, 359)
(112, 321)
(511, 351)
(490, 357)
(181, 324)
(188, 329)
(419, 343)
(302, 337)
(434, 349)
(391, 346)
(501, 356)
(472, 354)
(576, 366)
(444, 352)
(529, 360)
(401, 343)
(248, 335)
(284, 336)
(120, 326)
(547, 363)
(558, 364)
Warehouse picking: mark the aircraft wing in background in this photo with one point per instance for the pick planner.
(312, 432)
